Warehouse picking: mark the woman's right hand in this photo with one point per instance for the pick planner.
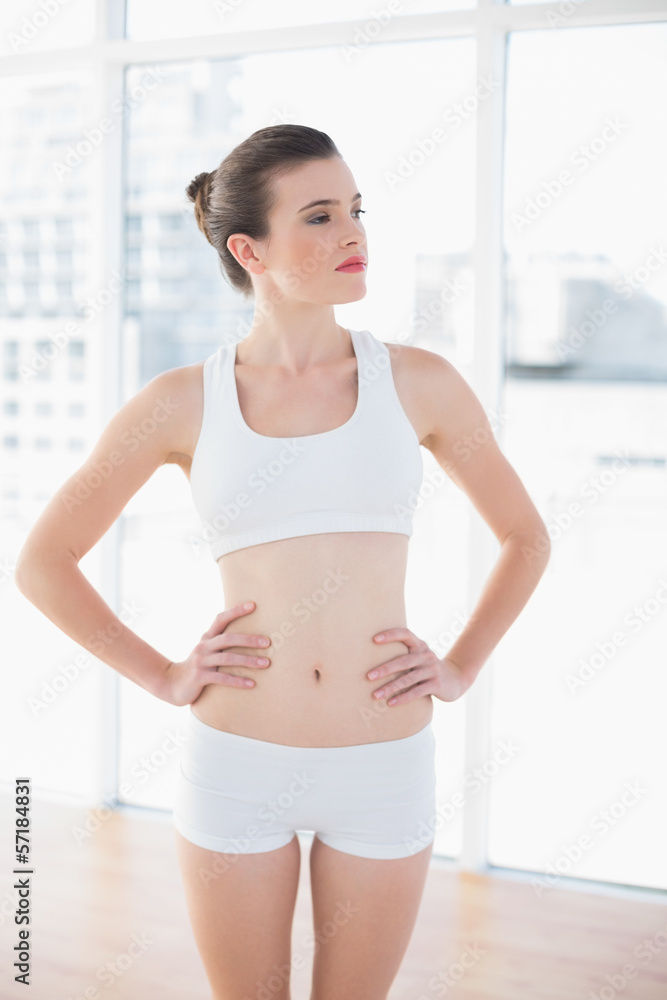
(187, 679)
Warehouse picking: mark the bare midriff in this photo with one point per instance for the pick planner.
(320, 599)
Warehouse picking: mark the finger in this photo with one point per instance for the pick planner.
(230, 680)
(227, 659)
(406, 661)
(401, 634)
(385, 669)
(419, 691)
(403, 683)
(223, 619)
(399, 664)
(239, 639)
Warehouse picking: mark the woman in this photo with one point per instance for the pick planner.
(302, 445)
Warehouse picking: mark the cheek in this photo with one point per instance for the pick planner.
(313, 254)
(305, 258)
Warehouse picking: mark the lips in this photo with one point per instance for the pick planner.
(351, 261)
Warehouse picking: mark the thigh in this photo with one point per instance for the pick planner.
(241, 908)
(364, 913)
(232, 792)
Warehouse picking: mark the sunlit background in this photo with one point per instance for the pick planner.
(579, 682)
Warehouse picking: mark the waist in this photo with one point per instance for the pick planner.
(337, 709)
(272, 752)
(320, 600)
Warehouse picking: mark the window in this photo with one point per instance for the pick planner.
(171, 286)
(133, 257)
(152, 19)
(169, 256)
(586, 387)
(171, 222)
(10, 350)
(482, 252)
(63, 258)
(420, 216)
(76, 351)
(64, 226)
(45, 352)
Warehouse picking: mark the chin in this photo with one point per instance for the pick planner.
(340, 297)
(352, 297)
(341, 300)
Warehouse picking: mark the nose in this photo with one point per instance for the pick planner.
(354, 236)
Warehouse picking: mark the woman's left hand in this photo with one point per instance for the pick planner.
(424, 674)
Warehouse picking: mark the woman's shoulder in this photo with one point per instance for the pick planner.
(424, 381)
(182, 389)
(184, 382)
(418, 367)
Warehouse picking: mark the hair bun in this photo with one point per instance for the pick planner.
(195, 186)
(197, 191)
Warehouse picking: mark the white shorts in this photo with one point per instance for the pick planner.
(235, 794)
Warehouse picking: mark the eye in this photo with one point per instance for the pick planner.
(319, 218)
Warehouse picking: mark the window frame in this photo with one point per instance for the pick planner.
(108, 56)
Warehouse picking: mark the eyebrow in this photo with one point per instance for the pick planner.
(327, 201)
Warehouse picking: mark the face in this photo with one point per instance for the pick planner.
(307, 241)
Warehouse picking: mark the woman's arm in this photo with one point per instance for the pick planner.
(65, 596)
(149, 430)
(461, 440)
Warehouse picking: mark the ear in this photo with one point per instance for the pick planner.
(243, 250)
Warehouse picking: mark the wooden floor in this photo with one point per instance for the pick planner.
(90, 902)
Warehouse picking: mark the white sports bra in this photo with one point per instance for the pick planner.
(362, 476)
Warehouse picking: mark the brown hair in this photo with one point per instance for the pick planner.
(238, 196)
